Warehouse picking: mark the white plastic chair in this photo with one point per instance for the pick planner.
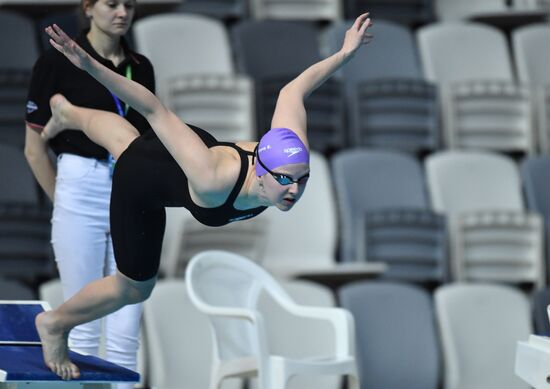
(227, 287)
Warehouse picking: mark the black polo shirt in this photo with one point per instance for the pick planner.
(53, 73)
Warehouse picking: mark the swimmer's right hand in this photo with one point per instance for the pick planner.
(65, 45)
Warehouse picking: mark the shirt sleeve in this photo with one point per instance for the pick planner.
(42, 87)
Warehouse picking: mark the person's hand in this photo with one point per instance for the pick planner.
(357, 35)
(65, 45)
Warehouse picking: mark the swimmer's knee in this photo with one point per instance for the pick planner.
(136, 291)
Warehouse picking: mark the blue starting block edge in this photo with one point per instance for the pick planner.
(17, 321)
(26, 364)
(21, 358)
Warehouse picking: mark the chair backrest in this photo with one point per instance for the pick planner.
(410, 12)
(449, 10)
(178, 339)
(275, 52)
(18, 43)
(220, 279)
(390, 105)
(317, 10)
(14, 87)
(183, 44)
(480, 326)
(541, 301)
(18, 183)
(394, 322)
(377, 179)
(392, 54)
(461, 181)
(224, 104)
(71, 21)
(458, 52)
(13, 290)
(532, 53)
(219, 9)
(272, 48)
(367, 180)
(306, 236)
(534, 174)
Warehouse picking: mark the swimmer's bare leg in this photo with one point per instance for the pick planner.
(107, 129)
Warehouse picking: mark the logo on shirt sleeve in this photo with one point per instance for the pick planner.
(31, 106)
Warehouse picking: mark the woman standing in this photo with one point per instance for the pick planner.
(80, 189)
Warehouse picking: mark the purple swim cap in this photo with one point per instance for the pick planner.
(278, 147)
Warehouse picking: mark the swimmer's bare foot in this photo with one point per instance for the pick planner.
(57, 123)
(54, 347)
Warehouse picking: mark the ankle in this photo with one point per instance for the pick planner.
(51, 320)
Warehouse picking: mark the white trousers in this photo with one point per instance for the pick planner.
(83, 250)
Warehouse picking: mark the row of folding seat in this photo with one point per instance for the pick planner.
(394, 94)
(458, 337)
(404, 92)
(25, 228)
(461, 216)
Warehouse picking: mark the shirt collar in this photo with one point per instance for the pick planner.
(130, 57)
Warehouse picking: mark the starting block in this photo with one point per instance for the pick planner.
(21, 359)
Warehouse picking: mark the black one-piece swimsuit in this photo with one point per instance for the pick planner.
(146, 179)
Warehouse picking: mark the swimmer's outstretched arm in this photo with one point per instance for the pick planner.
(200, 164)
(290, 111)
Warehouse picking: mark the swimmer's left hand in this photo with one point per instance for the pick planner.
(357, 35)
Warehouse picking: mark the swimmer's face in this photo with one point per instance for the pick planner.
(285, 196)
(113, 17)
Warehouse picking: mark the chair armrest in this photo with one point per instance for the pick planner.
(341, 320)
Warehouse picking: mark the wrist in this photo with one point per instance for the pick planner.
(345, 55)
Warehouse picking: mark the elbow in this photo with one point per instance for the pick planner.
(35, 153)
(291, 92)
(288, 90)
(32, 153)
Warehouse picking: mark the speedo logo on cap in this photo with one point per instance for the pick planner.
(292, 151)
(31, 106)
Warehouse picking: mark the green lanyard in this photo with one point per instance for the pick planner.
(121, 112)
